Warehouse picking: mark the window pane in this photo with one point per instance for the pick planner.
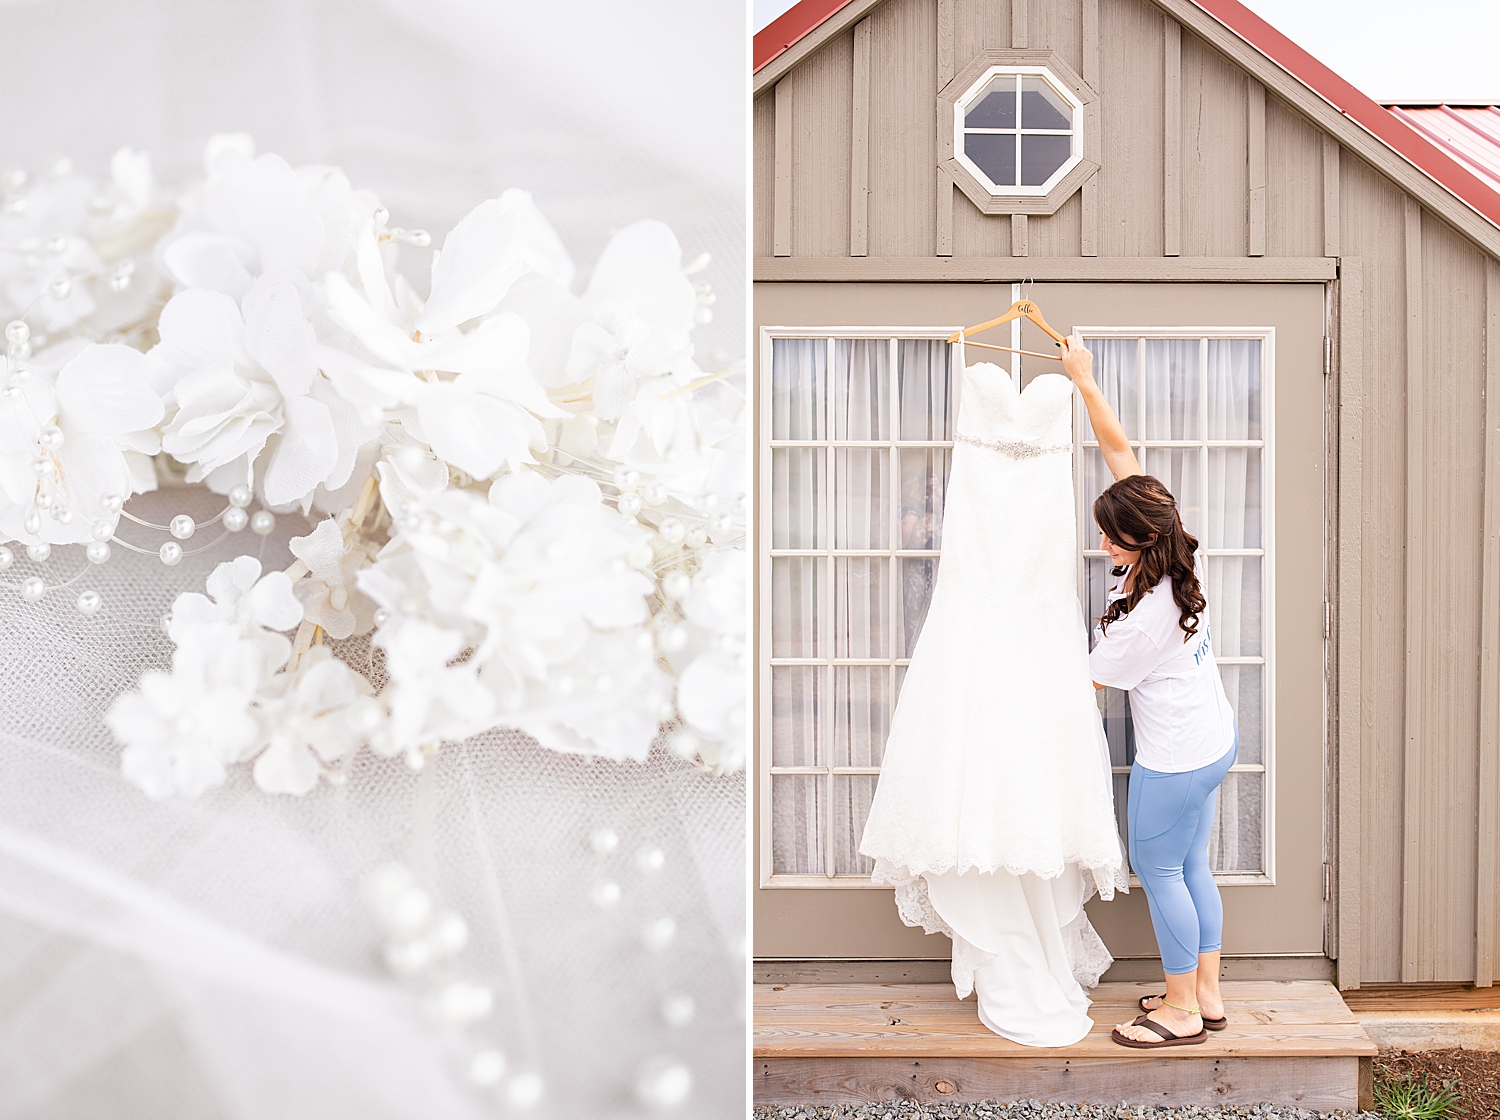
(796, 715)
(1041, 156)
(862, 623)
(1122, 792)
(926, 397)
(996, 107)
(862, 389)
(797, 497)
(1234, 496)
(861, 714)
(900, 680)
(1172, 401)
(1235, 843)
(1042, 106)
(795, 593)
(1234, 388)
(1096, 479)
(924, 479)
(799, 812)
(1245, 687)
(1234, 604)
(1180, 469)
(798, 384)
(852, 794)
(918, 578)
(862, 504)
(994, 155)
(1117, 370)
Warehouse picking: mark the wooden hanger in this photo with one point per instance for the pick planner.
(1021, 309)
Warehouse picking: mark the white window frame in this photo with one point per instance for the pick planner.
(1266, 335)
(961, 109)
(1267, 338)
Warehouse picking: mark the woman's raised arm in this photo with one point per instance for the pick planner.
(1119, 456)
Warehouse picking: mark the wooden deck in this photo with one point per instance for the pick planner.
(1291, 1042)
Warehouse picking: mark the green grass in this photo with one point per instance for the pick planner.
(1412, 1098)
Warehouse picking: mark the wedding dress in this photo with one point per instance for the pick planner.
(994, 816)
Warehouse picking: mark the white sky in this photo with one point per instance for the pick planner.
(1438, 49)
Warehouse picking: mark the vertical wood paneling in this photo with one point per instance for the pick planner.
(1057, 25)
(1213, 154)
(1059, 234)
(1088, 238)
(1018, 243)
(1373, 230)
(1414, 596)
(1255, 130)
(903, 46)
(859, 150)
(1020, 20)
(1171, 165)
(1486, 917)
(763, 128)
(1351, 707)
(783, 215)
(822, 99)
(1294, 184)
(1131, 72)
(978, 24)
(1330, 196)
(945, 70)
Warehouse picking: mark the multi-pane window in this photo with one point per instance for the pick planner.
(1196, 407)
(853, 480)
(1018, 129)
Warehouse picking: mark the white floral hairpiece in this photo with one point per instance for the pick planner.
(531, 494)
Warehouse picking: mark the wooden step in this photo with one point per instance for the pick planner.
(1288, 1042)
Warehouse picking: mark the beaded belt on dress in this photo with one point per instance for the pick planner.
(1016, 449)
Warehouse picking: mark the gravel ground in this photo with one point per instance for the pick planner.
(1036, 1110)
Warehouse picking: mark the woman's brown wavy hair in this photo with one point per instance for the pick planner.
(1136, 508)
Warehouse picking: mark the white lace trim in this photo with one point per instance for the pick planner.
(1016, 449)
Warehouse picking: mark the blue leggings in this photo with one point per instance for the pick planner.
(1171, 817)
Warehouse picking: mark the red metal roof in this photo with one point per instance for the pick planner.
(1440, 158)
(1468, 133)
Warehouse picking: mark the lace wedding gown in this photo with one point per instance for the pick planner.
(994, 815)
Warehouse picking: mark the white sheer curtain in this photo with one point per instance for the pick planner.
(856, 614)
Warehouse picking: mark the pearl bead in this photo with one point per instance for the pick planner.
(696, 538)
(651, 860)
(460, 1003)
(678, 1009)
(57, 246)
(450, 934)
(101, 528)
(60, 288)
(382, 616)
(663, 1083)
(673, 639)
(111, 503)
(641, 555)
(605, 895)
(21, 376)
(89, 603)
(408, 958)
(672, 531)
(381, 216)
(660, 933)
(262, 522)
(7, 558)
(17, 331)
(39, 552)
(604, 841)
(182, 526)
(45, 499)
(675, 584)
(32, 589)
(722, 523)
(415, 760)
(19, 351)
(486, 1068)
(684, 744)
(10, 392)
(170, 553)
(235, 519)
(629, 504)
(338, 598)
(523, 1090)
(239, 497)
(97, 552)
(165, 622)
(654, 493)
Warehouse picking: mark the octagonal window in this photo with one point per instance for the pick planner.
(1018, 129)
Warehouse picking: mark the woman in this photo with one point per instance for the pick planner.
(1153, 640)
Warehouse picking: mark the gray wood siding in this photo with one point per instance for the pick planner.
(1207, 158)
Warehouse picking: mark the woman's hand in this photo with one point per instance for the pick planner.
(1077, 361)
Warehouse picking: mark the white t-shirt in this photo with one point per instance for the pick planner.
(1182, 717)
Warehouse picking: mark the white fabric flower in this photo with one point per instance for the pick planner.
(307, 712)
(429, 699)
(99, 399)
(239, 597)
(183, 728)
(329, 595)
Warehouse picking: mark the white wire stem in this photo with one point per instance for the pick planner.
(167, 528)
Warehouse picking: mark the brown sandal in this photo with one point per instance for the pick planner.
(1167, 1037)
(1208, 1024)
